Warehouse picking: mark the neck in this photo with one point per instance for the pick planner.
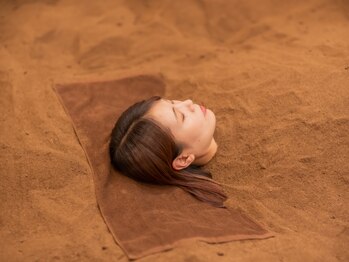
(205, 158)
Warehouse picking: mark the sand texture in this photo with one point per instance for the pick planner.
(276, 74)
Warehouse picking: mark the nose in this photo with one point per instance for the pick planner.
(187, 104)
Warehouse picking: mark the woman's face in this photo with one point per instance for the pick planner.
(192, 125)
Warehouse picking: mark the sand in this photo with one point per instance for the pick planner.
(276, 74)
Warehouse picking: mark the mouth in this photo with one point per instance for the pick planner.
(203, 109)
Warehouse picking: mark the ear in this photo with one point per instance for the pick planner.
(182, 161)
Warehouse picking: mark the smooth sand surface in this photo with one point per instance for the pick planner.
(276, 74)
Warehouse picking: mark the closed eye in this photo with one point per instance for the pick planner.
(183, 117)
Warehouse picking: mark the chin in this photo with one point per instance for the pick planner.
(212, 123)
(213, 117)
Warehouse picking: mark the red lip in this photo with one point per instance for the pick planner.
(203, 109)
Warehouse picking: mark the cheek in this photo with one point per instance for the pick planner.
(191, 131)
(195, 132)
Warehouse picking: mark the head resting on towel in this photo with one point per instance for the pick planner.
(165, 141)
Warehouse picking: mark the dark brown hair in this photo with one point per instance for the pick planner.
(143, 149)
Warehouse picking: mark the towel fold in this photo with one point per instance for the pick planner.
(143, 218)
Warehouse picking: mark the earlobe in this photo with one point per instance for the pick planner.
(182, 161)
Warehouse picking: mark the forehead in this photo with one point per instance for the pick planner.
(162, 112)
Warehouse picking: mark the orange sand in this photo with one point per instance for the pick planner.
(276, 75)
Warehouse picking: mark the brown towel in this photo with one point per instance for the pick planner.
(143, 218)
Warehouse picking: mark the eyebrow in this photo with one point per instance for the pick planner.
(174, 112)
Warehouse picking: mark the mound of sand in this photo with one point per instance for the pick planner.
(276, 74)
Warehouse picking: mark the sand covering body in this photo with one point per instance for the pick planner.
(143, 218)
